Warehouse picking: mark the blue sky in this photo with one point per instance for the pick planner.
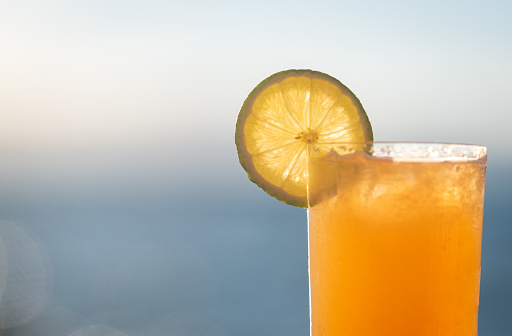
(94, 73)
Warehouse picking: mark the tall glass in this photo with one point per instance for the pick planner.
(395, 233)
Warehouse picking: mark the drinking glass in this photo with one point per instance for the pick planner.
(395, 232)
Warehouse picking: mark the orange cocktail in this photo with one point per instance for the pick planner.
(395, 239)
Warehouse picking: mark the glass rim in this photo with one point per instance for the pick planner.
(403, 142)
(407, 150)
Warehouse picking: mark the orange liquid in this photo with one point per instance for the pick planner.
(395, 247)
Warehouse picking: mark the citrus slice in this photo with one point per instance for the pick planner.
(283, 115)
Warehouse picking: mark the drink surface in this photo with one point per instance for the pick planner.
(394, 246)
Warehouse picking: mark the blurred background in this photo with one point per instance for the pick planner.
(123, 208)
